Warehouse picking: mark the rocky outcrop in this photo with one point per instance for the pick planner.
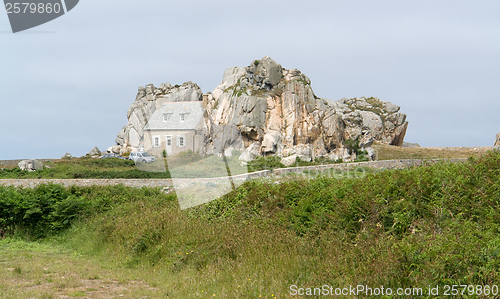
(264, 109)
(278, 109)
(497, 140)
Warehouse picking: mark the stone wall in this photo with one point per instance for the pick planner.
(388, 164)
(153, 183)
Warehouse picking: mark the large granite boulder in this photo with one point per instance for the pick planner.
(282, 112)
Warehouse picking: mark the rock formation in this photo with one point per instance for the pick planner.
(497, 140)
(30, 165)
(264, 109)
(67, 156)
(94, 153)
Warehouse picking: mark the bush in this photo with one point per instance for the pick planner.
(48, 209)
(353, 146)
(265, 163)
(189, 155)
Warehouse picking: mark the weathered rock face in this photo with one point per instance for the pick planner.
(264, 109)
(381, 119)
(278, 108)
(497, 140)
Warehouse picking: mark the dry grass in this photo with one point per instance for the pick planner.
(34, 270)
(189, 256)
(387, 152)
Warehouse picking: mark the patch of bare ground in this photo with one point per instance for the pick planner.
(33, 270)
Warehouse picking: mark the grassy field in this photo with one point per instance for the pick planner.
(48, 270)
(387, 152)
(430, 225)
(82, 168)
(191, 165)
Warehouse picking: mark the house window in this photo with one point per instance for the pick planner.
(156, 141)
(181, 142)
(167, 116)
(169, 140)
(183, 116)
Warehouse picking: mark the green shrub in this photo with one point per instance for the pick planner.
(427, 225)
(48, 209)
(265, 163)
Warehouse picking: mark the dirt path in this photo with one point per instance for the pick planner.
(33, 270)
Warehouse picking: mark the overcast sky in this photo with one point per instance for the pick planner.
(66, 85)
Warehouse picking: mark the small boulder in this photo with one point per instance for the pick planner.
(94, 153)
(390, 107)
(250, 152)
(339, 153)
(67, 156)
(409, 144)
(116, 149)
(304, 151)
(289, 160)
(30, 165)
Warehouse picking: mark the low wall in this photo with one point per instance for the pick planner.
(388, 164)
(31, 183)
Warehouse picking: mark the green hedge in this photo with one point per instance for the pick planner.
(50, 208)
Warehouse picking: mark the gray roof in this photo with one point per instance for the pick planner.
(193, 116)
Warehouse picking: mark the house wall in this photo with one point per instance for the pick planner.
(189, 141)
